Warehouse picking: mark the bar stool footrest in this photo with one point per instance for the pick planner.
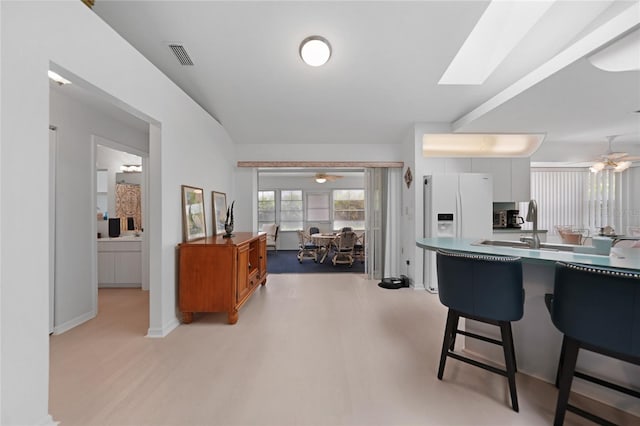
(477, 363)
(589, 416)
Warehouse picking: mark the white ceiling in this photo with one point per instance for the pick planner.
(382, 77)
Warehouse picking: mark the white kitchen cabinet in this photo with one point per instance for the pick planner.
(511, 177)
(520, 179)
(119, 262)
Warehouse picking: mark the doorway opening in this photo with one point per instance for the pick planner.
(306, 201)
(78, 112)
(120, 217)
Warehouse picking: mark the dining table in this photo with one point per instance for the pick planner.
(325, 242)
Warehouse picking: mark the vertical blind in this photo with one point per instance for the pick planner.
(578, 198)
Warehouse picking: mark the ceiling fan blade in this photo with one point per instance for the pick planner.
(614, 156)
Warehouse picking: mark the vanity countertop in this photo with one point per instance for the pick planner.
(122, 238)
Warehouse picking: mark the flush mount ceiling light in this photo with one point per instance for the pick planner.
(321, 180)
(500, 28)
(480, 145)
(58, 78)
(131, 168)
(315, 51)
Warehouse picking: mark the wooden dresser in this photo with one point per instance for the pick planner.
(220, 274)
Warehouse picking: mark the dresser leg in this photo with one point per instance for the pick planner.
(187, 317)
(232, 316)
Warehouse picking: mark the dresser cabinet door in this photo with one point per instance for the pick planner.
(262, 256)
(243, 272)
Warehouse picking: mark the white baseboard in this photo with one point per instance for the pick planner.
(165, 330)
(61, 328)
(48, 421)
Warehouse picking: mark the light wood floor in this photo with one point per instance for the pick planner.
(307, 350)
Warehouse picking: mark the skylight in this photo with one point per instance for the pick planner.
(498, 31)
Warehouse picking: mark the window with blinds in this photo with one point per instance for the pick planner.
(579, 198)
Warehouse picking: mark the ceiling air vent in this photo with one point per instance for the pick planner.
(181, 54)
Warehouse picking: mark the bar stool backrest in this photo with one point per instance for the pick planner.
(598, 306)
(486, 286)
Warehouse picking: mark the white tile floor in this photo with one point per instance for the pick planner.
(307, 350)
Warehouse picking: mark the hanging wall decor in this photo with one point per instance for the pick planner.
(408, 177)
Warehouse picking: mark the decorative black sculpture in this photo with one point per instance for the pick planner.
(228, 222)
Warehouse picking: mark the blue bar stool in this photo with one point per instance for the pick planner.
(484, 288)
(597, 309)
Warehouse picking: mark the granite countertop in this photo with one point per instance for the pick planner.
(626, 258)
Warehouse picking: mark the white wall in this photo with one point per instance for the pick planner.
(75, 214)
(187, 146)
(318, 152)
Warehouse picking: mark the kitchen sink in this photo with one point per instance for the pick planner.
(525, 245)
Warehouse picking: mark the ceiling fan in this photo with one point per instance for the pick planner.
(616, 161)
(324, 177)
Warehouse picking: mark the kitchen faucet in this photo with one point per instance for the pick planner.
(532, 216)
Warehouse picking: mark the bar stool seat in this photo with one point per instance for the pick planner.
(597, 309)
(484, 288)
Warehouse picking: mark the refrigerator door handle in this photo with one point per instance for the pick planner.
(459, 213)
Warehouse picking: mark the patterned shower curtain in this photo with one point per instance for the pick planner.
(128, 205)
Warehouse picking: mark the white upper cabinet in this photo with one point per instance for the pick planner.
(520, 179)
(511, 177)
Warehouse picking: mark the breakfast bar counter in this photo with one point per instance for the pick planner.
(625, 258)
(537, 341)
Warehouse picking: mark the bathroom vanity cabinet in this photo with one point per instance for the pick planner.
(120, 262)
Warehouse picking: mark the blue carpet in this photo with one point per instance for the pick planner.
(286, 262)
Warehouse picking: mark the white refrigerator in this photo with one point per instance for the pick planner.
(457, 205)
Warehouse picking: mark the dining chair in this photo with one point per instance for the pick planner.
(596, 309)
(344, 248)
(271, 229)
(307, 248)
(487, 289)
